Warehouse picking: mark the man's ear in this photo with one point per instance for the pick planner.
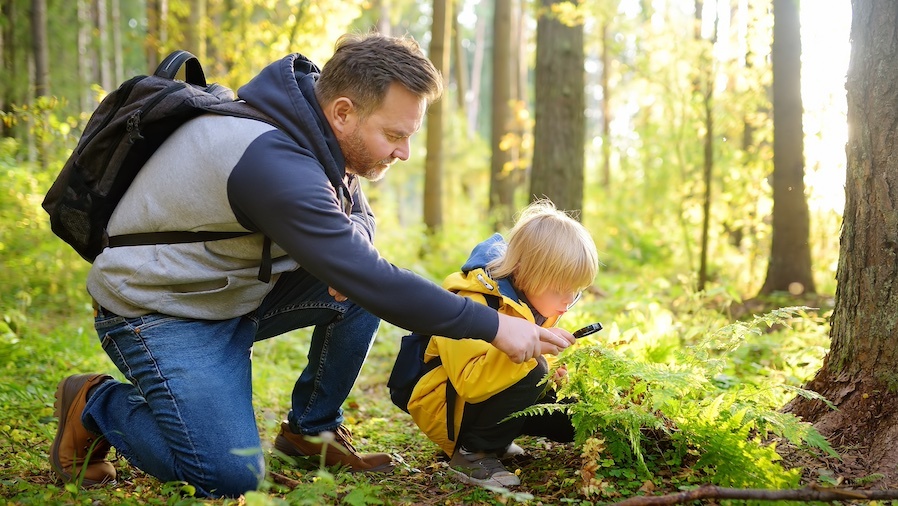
(342, 115)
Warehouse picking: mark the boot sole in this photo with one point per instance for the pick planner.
(65, 393)
(284, 446)
(511, 481)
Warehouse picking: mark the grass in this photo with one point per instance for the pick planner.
(33, 364)
(40, 350)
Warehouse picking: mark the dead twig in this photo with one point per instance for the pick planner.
(280, 479)
(811, 493)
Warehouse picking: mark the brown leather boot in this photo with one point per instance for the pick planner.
(78, 454)
(339, 451)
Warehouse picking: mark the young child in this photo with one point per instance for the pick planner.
(538, 275)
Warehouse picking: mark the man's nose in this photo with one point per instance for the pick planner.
(403, 151)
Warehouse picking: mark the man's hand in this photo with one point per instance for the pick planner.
(522, 340)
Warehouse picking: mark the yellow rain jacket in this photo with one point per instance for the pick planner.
(477, 369)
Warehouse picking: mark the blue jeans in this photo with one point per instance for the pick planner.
(187, 413)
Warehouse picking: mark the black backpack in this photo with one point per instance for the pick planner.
(120, 136)
(410, 367)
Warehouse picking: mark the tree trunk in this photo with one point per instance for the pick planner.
(476, 75)
(789, 269)
(104, 56)
(606, 105)
(118, 70)
(440, 41)
(858, 374)
(559, 134)
(157, 32)
(384, 25)
(40, 48)
(461, 67)
(196, 34)
(3, 66)
(704, 86)
(501, 183)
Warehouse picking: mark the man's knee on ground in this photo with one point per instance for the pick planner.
(230, 477)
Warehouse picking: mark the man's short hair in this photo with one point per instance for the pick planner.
(365, 65)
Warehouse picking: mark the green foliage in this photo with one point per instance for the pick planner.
(656, 416)
(38, 268)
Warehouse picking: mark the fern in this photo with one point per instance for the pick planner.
(651, 413)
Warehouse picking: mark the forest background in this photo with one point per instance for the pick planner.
(669, 163)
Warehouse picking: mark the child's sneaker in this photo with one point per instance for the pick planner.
(476, 468)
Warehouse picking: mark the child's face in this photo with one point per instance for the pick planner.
(551, 302)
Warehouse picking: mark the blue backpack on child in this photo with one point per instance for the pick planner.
(410, 367)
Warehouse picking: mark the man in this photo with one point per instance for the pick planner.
(180, 320)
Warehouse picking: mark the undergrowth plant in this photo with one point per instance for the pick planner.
(636, 418)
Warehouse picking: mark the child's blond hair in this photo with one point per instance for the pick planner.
(547, 250)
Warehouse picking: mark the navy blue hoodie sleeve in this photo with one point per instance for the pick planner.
(278, 189)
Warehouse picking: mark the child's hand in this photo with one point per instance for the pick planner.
(560, 375)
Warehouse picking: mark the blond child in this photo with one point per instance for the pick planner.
(538, 274)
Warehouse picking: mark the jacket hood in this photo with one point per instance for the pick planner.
(285, 91)
(481, 255)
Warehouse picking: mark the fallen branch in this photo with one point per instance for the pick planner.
(804, 494)
(280, 479)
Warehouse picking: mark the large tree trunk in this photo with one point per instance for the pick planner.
(559, 132)
(789, 269)
(859, 373)
(441, 31)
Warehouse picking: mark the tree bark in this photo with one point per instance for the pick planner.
(789, 269)
(440, 42)
(559, 133)
(196, 32)
(606, 104)
(104, 56)
(476, 75)
(501, 183)
(858, 373)
(40, 48)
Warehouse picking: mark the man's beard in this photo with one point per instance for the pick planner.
(359, 162)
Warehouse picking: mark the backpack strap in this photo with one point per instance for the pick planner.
(172, 63)
(451, 394)
(180, 237)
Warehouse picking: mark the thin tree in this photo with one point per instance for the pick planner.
(157, 31)
(501, 184)
(118, 60)
(460, 68)
(789, 269)
(40, 48)
(559, 133)
(104, 56)
(85, 62)
(703, 87)
(41, 79)
(858, 373)
(440, 44)
(196, 36)
(473, 100)
(2, 66)
(606, 102)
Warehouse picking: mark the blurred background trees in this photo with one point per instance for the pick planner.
(652, 121)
